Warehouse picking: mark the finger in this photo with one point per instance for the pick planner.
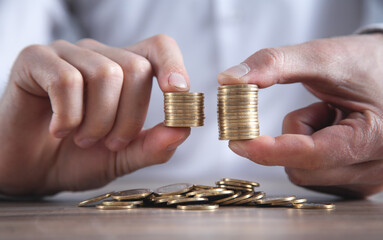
(104, 80)
(275, 65)
(153, 146)
(354, 140)
(309, 119)
(135, 93)
(166, 58)
(56, 78)
(362, 173)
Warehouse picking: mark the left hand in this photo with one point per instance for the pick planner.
(333, 146)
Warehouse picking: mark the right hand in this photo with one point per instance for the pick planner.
(72, 115)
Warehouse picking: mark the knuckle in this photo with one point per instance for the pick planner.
(67, 78)
(138, 65)
(68, 120)
(87, 42)
(162, 40)
(271, 56)
(110, 71)
(33, 50)
(60, 43)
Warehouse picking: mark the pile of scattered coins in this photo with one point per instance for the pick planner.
(238, 112)
(184, 109)
(185, 196)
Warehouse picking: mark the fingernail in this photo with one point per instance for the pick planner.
(238, 149)
(178, 81)
(87, 142)
(237, 71)
(117, 144)
(61, 134)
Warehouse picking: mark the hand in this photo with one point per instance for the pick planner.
(72, 115)
(333, 146)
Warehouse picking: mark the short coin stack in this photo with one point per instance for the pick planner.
(184, 109)
(186, 196)
(238, 112)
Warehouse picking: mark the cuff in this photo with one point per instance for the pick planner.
(373, 28)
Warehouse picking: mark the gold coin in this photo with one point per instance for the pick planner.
(299, 201)
(275, 200)
(256, 196)
(132, 194)
(166, 199)
(236, 188)
(235, 195)
(94, 199)
(237, 137)
(243, 196)
(204, 191)
(193, 117)
(174, 189)
(198, 207)
(233, 133)
(236, 113)
(248, 85)
(171, 94)
(111, 207)
(181, 112)
(237, 107)
(215, 194)
(236, 184)
(192, 104)
(254, 184)
(188, 200)
(328, 206)
(186, 122)
(183, 107)
(195, 101)
(122, 203)
(199, 187)
(229, 97)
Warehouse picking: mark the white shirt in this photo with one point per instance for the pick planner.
(213, 35)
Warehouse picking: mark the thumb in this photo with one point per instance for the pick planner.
(282, 65)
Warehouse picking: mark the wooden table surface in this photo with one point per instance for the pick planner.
(60, 218)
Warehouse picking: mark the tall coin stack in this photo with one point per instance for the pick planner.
(238, 112)
(184, 109)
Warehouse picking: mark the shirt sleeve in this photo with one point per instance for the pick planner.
(373, 28)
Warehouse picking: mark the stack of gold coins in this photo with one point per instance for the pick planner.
(184, 109)
(238, 112)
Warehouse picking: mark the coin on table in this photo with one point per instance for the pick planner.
(122, 203)
(243, 196)
(132, 194)
(165, 199)
(195, 192)
(275, 200)
(328, 206)
(222, 200)
(236, 188)
(299, 201)
(94, 199)
(254, 184)
(111, 207)
(256, 196)
(214, 194)
(174, 189)
(198, 207)
(237, 184)
(188, 201)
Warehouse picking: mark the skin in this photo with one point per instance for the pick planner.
(335, 145)
(73, 114)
